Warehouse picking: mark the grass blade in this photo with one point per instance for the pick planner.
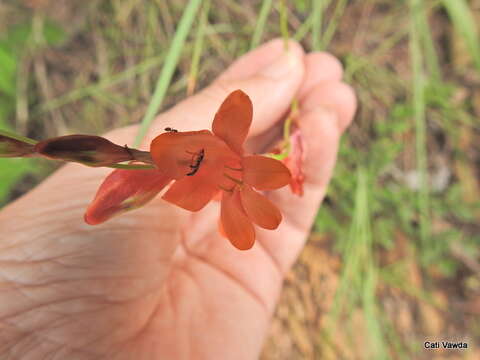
(260, 26)
(317, 19)
(464, 22)
(197, 48)
(419, 108)
(332, 26)
(171, 61)
(431, 58)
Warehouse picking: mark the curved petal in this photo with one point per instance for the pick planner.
(259, 209)
(236, 225)
(192, 192)
(265, 173)
(233, 119)
(124, 190)
(174, 153)
(294, 162)
(220, 229)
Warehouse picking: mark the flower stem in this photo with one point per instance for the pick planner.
(287, 125)
(142, 156)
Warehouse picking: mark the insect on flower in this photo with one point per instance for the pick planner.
(169, 129)
(198, 158)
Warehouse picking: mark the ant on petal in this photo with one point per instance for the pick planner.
(169, 129)
(198, 161)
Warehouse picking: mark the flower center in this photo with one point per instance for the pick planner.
(231, 179)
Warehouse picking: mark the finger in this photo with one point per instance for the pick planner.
(320, 67)
(322, 118)
(336, 96)
(270, 76)
(249, 64)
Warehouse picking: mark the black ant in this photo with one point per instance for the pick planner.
(198, 161)
(169, 129)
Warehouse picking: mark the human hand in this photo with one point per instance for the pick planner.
(159, 282)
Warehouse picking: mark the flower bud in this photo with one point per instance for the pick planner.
(86, 149)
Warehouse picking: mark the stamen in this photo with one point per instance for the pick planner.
(239, 182)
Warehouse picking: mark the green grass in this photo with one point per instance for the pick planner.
(419, 111)
(171, 59)
(261, 21)
(464, 22)
(198, 47)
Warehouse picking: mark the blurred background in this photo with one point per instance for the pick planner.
(394, 257)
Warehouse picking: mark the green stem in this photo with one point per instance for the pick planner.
(18, 137)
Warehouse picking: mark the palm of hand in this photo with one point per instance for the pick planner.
(160, 282)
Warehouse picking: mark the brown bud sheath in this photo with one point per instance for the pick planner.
(11, 147)
(86, 149)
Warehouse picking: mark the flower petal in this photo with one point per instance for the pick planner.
(232, 120)
(294, 162)
(236, 225)
(174, 152)
(124, 190)
(220, 229)
(86, 149)
(259, 209)
(192, 192)
(265, 173)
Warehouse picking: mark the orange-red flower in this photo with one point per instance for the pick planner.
(203, 164)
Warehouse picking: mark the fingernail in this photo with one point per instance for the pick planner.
(281, 66)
